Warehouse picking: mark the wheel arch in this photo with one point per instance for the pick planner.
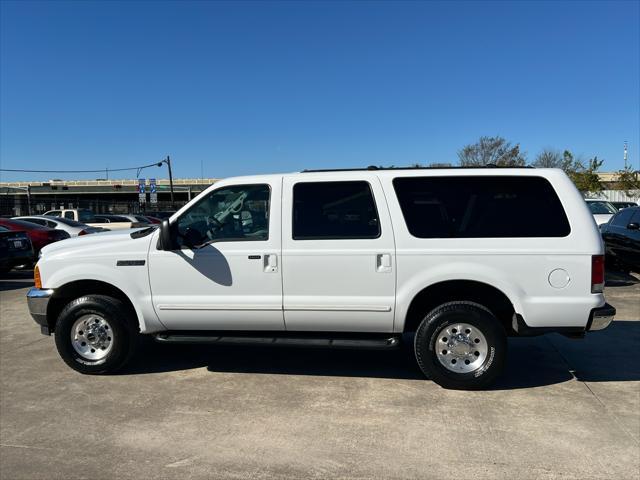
(476, 291)
(79, 288)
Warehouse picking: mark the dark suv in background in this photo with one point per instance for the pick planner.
(621, 236)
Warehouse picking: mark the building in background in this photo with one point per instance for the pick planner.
(101, 196)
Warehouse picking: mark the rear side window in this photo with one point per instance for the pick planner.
(334, 211)
(622, 218)
(481, 207)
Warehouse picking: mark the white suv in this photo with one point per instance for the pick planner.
(462, 258)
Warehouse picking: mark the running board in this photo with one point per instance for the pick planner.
(370, 343)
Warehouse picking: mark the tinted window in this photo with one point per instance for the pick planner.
(601, 208)
(622, 218)
(480, 207)
(334, 210)
(54, 213)
(68, 215)
(85, 216)
(39, 221)
(237, 212)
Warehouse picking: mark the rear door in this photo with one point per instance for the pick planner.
(338, 254)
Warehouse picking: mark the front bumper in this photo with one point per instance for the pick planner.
(38, 301)
(601, 317)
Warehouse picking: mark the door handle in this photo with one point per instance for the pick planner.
(383, 262)
(270, 263)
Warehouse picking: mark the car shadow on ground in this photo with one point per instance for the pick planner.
(608, 355)
(16, 279)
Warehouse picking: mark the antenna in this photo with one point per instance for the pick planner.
(625, 154)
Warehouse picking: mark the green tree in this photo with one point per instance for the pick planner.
(492, 151)
(586, 176)
(628, 180)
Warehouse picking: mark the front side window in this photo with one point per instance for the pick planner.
(334, 211)
(233, 213)
(481, 207)
(68, 215)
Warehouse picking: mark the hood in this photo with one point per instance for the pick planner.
(109, 240)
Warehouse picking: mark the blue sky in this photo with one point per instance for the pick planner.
(241, 88)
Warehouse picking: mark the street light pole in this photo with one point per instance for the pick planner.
(168, 162)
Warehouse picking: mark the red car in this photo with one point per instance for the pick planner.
(39, 235)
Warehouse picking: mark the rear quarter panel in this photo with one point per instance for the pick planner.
(519, 267)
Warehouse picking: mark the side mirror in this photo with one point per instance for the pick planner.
(166, 241)
(633, 226)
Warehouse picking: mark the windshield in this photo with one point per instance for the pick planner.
(85, 216)
(601, 208)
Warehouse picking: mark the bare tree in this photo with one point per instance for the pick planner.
(549, 158)
(492, 151)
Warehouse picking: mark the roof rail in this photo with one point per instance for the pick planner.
(373, 168)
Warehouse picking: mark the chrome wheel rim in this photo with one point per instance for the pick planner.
(461, 348)
(92, 337)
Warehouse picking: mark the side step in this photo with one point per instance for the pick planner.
(300, 340)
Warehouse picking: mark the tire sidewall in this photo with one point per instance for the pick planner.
(114, 313)
(449, 314)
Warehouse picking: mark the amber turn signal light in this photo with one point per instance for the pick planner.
(36, 277)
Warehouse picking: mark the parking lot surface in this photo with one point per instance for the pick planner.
(564, 409)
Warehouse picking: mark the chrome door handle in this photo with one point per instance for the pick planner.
(270, 263)
(383, 262)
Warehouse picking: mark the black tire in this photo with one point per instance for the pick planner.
(122, 332)
(428, 335)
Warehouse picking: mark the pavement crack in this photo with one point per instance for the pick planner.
(594, 394)
(25, 345)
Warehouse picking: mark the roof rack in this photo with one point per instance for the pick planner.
(374, 168)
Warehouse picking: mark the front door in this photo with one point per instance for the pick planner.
(338, 254)
(225, 272)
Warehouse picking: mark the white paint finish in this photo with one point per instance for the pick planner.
(94, 257)
(218, 287)
(324, 279)
(519, 267)
(339, 285)
(559, 278)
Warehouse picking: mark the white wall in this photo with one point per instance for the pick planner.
(616, 196)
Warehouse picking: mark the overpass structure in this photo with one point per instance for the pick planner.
(101, 196)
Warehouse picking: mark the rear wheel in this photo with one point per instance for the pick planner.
(461, 345)
(95, 334)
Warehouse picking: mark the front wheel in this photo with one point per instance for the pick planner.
(461, 345)
(94, 334)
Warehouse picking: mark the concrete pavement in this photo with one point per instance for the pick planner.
(564, 409)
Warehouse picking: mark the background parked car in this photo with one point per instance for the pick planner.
(72, 227)
(621, 205)
(15, 249)
(39, 235)
(622, 239)
(601, 210)
(115, 222)
(153, 220)
(162, 215)
(123, 217)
